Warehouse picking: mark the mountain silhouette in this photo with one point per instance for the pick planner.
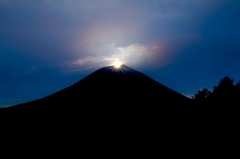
(120, 107)
(109, 98)
(108, 88)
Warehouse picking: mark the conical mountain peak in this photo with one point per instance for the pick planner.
(109, 87)
(121, 69)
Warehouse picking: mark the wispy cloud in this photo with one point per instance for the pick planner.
(134, 55)
(97, 32)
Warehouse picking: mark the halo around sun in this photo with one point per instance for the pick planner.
(117, 64)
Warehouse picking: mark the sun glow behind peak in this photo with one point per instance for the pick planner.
(117, 64)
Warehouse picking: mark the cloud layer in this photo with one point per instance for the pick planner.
(134, 55)
(93, 33)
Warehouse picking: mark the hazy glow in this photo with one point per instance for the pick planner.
(117, 64)
(133, 55)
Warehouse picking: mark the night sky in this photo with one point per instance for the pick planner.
(48, 45)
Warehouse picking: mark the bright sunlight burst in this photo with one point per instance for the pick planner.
(117, 64)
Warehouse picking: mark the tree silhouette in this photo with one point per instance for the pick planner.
(225, 86)
(223, 94)
(202, 95)
(238, 85)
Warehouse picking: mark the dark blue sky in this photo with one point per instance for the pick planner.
(48, 45)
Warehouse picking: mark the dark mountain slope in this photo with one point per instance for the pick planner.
(107, 91)
(121, 109)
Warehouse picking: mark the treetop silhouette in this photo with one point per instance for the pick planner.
(224, 93)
